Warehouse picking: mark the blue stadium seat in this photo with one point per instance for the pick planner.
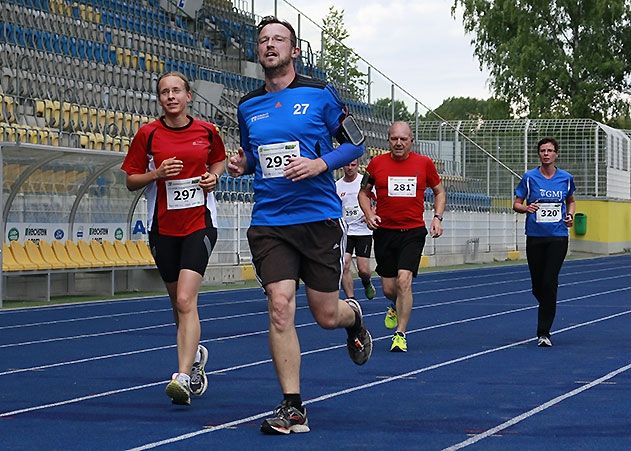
(19, 36)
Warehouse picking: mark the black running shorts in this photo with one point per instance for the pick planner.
(173, 253)
(312, 252)
(360, 244)
(398, 249)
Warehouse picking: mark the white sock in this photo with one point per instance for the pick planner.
(198, 355)
(183, 378)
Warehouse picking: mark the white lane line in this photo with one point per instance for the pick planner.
(122, 331)
(139, 351)
(229, 337)
(476, 438)
(319, 350)
(261, 299)
(363, 386)
(204, 304)
(133, 313)
(120, 390)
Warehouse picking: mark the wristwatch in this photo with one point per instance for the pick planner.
(439, 217)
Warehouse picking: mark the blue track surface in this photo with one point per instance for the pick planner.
(92, 376)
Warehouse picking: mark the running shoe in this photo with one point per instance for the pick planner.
(179, 389)
(359, 345)
(199, 381)
(544, 342)
(399, 343)
(391, 319)
(369, 290)
(286, 419)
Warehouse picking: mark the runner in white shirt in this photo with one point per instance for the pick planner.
(359, 236)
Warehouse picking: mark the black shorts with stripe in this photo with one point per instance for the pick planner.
(312, 252)
(361, 245)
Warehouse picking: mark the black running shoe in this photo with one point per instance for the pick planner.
(359, 344)
(286, 419)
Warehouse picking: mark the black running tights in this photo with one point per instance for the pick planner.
(545, 258)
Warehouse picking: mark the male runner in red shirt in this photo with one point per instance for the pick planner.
(400, 178)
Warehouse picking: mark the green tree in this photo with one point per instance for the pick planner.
(338, 60)
(623, 122)
(455, 108)
(556, 58)
(383, 108)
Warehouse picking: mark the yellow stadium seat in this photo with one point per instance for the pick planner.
(70, 116)
(134, 252)
(8, 261)
(125, 141)
(62, 255)
(53, 136)
(96, 141)
(143, 249)
(133, 60)
(86, 253)
(100, 118)
(75, 255)
(34, 253)
(84, 118)
(43, 136)
(127, 121)
(51, 112)
(84, 140)
(8, 133)
(121, 249)
(40, 108)
(116, 118)
(9, 109)
(149, 59)
(135, 122)
(110, 252)
(99, 253)
(20, 133)
(48, 254)
(22, 257)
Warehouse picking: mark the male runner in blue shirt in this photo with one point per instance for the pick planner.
(297, 230)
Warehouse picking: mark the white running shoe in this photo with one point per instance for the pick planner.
(179, 389)
(199, 381)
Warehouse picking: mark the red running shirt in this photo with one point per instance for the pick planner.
(400, 186)
(198, 145)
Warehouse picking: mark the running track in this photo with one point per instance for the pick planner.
(92, 376)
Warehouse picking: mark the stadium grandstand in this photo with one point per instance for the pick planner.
(78, 80)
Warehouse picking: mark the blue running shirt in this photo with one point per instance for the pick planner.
(551, 195)
(308, 113)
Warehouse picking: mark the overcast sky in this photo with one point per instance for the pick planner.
(416, 43)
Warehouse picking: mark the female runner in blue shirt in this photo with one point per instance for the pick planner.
(546, 195)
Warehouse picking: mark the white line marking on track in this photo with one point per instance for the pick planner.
(157, 326)
(476, 438)
(365, 386)
(607, 261)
